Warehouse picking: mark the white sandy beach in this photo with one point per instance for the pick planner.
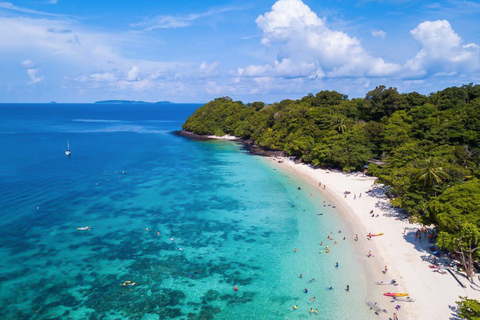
(407, 259)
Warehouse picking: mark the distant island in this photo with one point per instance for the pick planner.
(129, 102)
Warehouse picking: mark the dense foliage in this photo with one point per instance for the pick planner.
(469, 308)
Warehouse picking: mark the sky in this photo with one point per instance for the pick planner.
(251, 50)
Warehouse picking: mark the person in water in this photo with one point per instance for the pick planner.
(316, 311)
(311, 310)
(348, 288)
(301, 275)
(293, 308)
(331, 288)
(336, 265)
(305, 290)
(311, 300)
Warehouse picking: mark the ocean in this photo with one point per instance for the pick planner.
(186, 221)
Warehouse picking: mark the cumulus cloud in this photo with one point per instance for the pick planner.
(133, 73)
(442, 51)
(34, 77)
(209, 69)
(308, 48)
(379, 33)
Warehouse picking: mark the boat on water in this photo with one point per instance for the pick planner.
(67, 152)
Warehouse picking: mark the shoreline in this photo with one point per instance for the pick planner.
(406, 259)
(371, 267)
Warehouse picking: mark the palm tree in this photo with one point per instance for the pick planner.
(339, 124)
(431, 173)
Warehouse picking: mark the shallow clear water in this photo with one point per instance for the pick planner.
(216, 217)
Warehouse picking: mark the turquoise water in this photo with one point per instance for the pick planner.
(217, 217)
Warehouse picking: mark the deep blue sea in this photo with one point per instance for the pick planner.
(185, 220)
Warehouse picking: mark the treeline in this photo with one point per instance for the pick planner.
(427, 147)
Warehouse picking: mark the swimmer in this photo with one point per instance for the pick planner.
(312, 280)
(305, 290)
(235, 288)
(301, 275)
(336, 265)
(311, 300)
(321, 243)
(316, 311)
(295, 250)
(311, 310)
(84, 228)
(331, 288)
(147, 229)
(129, 283)
(171, 239)
(293, 308)
(348, 288)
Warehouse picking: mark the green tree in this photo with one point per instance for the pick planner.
(456, 213)
(468, 308)
(430, 172)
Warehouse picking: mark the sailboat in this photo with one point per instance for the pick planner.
(67, 152)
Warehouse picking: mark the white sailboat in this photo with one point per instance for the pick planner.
(67, 152)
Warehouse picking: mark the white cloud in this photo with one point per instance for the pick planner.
(104, 77)
(181, 21)
(133, 73)
(28, 64)
(9, 6)
(442, 51)
(306, 47)
(209, 69)
(379, 33)
(34, 77)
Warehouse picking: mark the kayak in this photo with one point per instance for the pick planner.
(375, 235)
(404, 299)
(401, 295)
(375, 307)
(395, 294)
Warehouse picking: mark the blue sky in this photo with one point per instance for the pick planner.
(194, 51)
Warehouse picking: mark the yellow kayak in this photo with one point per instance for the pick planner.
(401, 294)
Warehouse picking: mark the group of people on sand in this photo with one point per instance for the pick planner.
(346, 193)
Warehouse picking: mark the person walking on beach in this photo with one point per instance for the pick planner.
(386, 269)
(395, 317)
(356, 237)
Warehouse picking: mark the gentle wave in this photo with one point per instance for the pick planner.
(127, 128)
(100, 121)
